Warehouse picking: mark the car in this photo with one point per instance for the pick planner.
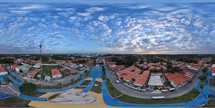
(117, 81)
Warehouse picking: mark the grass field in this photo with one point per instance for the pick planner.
(212, 82)
(125, 98)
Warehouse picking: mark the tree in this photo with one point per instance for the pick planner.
(202, 78)
(45, 59)
(28, 88)
(205, 69)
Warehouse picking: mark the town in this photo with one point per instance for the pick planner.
(129, 78)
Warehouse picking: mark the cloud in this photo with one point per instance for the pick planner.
(95, 9)
(33, 7)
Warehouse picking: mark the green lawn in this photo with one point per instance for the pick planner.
(125, 98)
(211, 104)
(96, 89)
(212, 82)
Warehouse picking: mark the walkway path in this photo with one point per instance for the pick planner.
(2, 80)
(95, 73)
(14, 81)
(62, 89)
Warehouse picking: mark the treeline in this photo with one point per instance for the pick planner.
(6, 61)
(125, 60)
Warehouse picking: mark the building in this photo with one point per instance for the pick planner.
(194, 67)
(56, 73)
(72, 72)
(177, 79)
(47, 78)
(3, 71)
(212, 70)
(141, 80)
(38, 65)
(32, 74)
(188, 73)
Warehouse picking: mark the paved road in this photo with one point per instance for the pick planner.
(148, 95)
(202, 99)
(62, 89)
(109, 100)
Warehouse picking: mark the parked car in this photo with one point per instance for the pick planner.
(117, 81)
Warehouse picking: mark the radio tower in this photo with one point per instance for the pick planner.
(40, 55)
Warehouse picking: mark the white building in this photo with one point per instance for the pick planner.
(38, 65)
(56, 73)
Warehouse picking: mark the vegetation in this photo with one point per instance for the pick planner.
(45, 58)
(202, 78)
(6, 61)
(97, 88)
(46, 70)
(205, 69)
(212, 82)
(28, 88)
(125, 98)
(14, 102)
(173, 70)
(127, 60)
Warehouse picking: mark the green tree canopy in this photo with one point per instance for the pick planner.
(202, 78)
(28, 87)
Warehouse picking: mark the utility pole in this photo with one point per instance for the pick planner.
(41, 57)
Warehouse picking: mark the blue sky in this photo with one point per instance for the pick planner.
(116, 27)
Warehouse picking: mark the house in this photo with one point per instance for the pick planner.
(141, 81)
(56, 73)
(177, 79)
(120, 67)
(14, 67)
(3, 71)
(188, 73)
(212, 70)
(32, 74)
(47, 78)
(194, 67)
(72, 72)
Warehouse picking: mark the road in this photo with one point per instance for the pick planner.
(148, 95)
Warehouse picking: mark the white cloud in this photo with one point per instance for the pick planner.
(86, 14)
(95, 9)
(33, 6)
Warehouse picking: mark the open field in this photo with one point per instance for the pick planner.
(212, 82)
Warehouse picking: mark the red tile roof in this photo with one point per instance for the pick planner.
(141, 81)
(212, 69)
(177, 78)
(32, 73)
(121, 66)
(2, 69)
(55, 72)
(72, 72)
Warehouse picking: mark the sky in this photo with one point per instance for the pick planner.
(114, 27)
